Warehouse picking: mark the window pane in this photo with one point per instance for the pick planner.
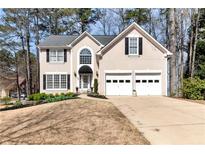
(56, 81)
(63, 81)
(127, 81)
(49, 81)
(137, 81)
(133, 45)
(108, 81)
(52, 56)
(114, 81)
(60, 56)
(85, 56)
(121, 81)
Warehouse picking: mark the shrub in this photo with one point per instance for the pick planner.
(18, 104)
(193, 88)
(37, 97)
(96, 86)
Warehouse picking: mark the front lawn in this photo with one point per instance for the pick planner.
(76, 121)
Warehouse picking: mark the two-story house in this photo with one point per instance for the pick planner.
(130, 61)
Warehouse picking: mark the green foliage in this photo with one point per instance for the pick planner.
(6, 100)
(200, 59)
(18, 104)
(194, 88)
(38, 97)
(50, 97)
(139, 15)
(96, 86)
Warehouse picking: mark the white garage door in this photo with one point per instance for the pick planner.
(148, 83)
(118, 84)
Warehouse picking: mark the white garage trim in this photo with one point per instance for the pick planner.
(148, 71)
(118, 71)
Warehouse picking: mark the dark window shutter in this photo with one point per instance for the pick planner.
(44, 82)
(68, 81)
(140, 45)
(126, 46)
(47, 55)
(65, 55)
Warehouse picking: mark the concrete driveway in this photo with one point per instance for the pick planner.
(164, 120)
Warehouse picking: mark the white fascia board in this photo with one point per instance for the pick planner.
(80, 36)
(148, 71)
(118, 71)
(43, 47)
(55, 73)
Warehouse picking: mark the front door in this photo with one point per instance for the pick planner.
(85, 81)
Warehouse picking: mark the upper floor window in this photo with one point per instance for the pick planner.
(133, 46)
(85, 56)
(56, 56)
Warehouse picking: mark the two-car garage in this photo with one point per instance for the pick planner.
(124, 83)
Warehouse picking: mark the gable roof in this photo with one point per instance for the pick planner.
(142, 32)
(66, 40)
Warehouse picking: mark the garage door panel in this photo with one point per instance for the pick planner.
(119, 84)
(148, 83)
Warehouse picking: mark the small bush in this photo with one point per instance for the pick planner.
(37, 97)
(96, 86)
(193, 88)
(18, 104)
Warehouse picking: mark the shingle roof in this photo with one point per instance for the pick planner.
(61, 40)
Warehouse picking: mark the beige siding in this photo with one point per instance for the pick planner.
(115, 59)
(46, 67)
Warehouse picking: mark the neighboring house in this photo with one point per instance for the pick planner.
(132, 60)
(8, 86)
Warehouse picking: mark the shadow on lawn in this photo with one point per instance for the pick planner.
(76, 122)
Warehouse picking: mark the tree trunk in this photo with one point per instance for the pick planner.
(181, 56)
(173, 50)
(17, 78)
(28, 61)
(195, 41)
(26, 71)
(36, 20)
(191, 43)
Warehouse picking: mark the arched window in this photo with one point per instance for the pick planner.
(85, 56)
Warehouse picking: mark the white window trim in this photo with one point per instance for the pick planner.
(56, 56)
(56, 73)
(137, 47)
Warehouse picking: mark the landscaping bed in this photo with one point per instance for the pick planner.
(35, 99)
(76, 121)
(96, 95)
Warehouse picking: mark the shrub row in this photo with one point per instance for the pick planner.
(50, 97)
(194, 88)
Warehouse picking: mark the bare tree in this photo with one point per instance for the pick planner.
(172, 33)
(196, 27)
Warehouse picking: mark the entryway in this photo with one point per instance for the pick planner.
(85, 78)
(85, 81)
